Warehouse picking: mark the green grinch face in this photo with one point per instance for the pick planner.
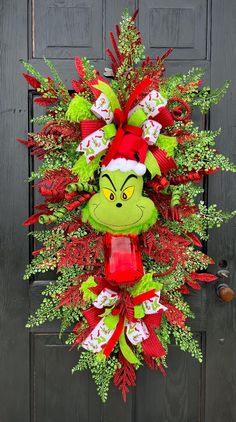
(119, 205)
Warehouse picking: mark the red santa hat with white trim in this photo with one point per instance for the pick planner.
(129, 155)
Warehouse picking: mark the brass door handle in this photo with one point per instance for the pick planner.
(224, 292)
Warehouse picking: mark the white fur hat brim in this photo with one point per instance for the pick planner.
(125, 165)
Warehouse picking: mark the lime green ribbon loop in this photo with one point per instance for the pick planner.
(137, 118)
(109, 93)
(111, 321)
(109, 130)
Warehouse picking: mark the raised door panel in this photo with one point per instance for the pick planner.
(181, 24)
(63, 29)
(59, 396)
(56, 395)
(176, 397)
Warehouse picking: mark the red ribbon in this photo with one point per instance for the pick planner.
(89, 126)
(152, 345)
(165, 163)
(120, 118)
(137, 300)
(164, 117)
(92, 316)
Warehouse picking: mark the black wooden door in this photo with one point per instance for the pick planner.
(35, 368)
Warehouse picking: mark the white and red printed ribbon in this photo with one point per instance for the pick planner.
(99, 140)
(136, 331)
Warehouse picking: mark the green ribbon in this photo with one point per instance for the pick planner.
(152, 165)
(139, 311)
(126, 350)
(111, 321)
(109, 93)
(137, 118)
(109, 130)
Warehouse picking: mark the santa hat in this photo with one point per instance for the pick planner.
(130, 154)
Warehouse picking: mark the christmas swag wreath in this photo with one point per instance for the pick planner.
(121, 162)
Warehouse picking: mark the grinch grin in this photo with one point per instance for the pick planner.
(122, 218)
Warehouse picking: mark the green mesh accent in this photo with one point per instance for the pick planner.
(79, 109)
(167, 143)
(85, 288)
(85, 170)
(145, 284)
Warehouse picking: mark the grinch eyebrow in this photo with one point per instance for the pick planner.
(108, 177)
(126, 180)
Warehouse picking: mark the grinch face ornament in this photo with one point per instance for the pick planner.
(119, 206)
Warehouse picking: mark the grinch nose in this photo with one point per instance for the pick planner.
(118, 205)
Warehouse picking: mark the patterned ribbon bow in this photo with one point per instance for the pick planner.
(145, 120)
(117, 323)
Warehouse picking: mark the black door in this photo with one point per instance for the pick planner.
(35, 368)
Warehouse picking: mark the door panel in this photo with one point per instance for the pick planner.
(181, 24)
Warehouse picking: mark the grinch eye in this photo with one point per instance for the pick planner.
(127, 193)
(109, 194)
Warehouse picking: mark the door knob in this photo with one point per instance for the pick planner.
(224, 292)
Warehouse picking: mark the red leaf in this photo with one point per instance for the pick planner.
(194, 239)
(115, 47)
(42, 207)
(174, 315)
(77, 86)
(135, 14)
(70, 297)
(32, 219)
(45, 101)
(184, 290)
(32, 81)
(125, 376)
(23, 141)
(203, 277)
(79, 67)
(37, 251)
(193, 284)
(152, 364)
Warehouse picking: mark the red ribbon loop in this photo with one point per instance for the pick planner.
(165, 163)
(120, 118)
(89, 126)
(143, 296)
(152, 345)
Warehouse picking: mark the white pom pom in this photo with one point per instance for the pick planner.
(140, 169)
